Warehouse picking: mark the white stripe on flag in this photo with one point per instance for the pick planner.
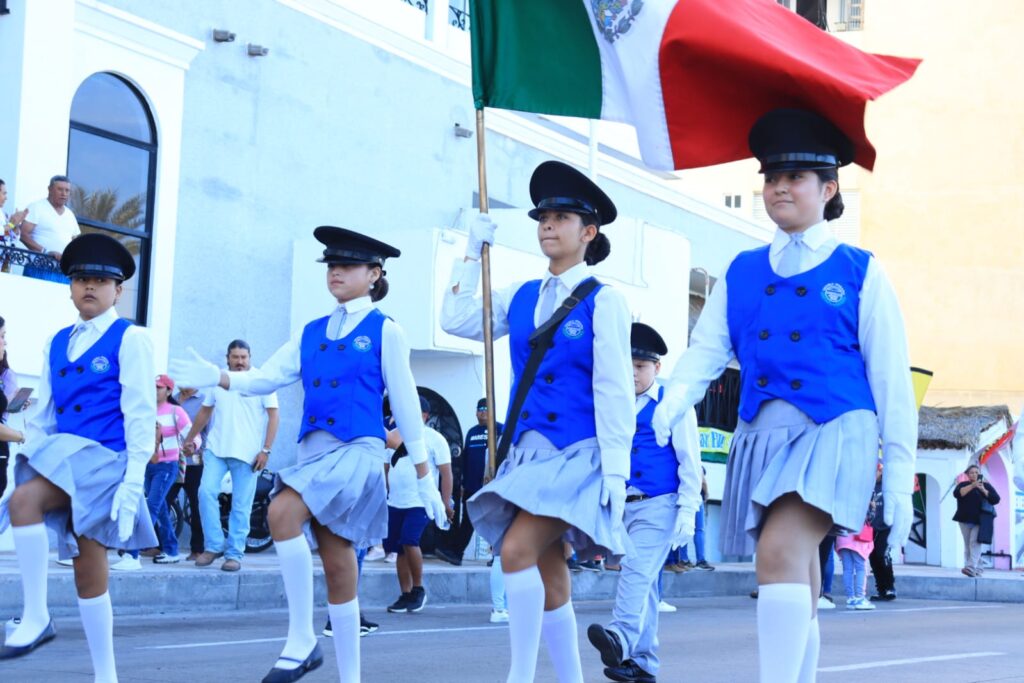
(631, 78)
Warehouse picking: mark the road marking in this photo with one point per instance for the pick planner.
(184, 646)
(901, 662)
(926, 609)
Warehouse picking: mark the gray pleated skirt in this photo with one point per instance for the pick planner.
(545, 481)
(90, 474)
(342, 484)
(830, 466)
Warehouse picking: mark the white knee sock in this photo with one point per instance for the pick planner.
(98, 622)
(559, 631)
(345, 622)
(32, 547)
(783, 618)
(297, 572)
(809, 670)
(525, 592)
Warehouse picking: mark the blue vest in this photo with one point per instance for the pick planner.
(560, 404)
(654, 468)
(87, 391)
(343, 380)
(796, 338)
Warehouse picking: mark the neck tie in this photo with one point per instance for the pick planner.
(337, 322)
(789, 264)
(547, 305)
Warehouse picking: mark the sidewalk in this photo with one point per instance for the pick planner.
(183, 587)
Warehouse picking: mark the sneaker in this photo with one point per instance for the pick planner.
(863, 604)
(127, 564)
(851, 603)
(401, 604)
(70, 563)
(375, 553)
(573, 565)
(825, 603)
(885, 596)
(417, 599)
(366, 627)
(448, 556)
(703, 564)
(590, 566)
(499, 616)
(665, 607)
(164, 558)
(328, 631)
(391, 557)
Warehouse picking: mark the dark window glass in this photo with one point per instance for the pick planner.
(112, 166)
(105, 101)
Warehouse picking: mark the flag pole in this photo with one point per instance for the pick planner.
(485, 270)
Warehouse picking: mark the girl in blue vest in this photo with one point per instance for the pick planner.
(817, 331)
(334, 497)
(88, 444)
(565, 475)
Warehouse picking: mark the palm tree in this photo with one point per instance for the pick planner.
(102, 206)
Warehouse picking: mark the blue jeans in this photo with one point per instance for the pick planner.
(243, 489)
(698, 537)
(853, 573)
(159, 480)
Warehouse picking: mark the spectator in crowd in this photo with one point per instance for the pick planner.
(472, 471)
(192, 401)
(698, 534)
(12, 223)
(975, 501)
(828, 569)
(239, 443)
(880, 559)
(8, 388)
(854, 550)
(49, 227)
(407, 518)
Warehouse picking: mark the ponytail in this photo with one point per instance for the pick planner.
(834, 207)
(379, 289)
(598, 249)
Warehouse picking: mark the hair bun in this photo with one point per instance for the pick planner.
(598, 249)
(379, 289)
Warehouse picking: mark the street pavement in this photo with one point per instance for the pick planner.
(708, 640)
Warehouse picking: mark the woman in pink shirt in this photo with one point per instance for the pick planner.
(162, 471)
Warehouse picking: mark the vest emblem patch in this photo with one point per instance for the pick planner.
(362, 343)
(99, 365)
(833, 294)
(573, 329)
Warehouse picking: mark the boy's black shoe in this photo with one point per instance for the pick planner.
(417, 599)
(401, 604)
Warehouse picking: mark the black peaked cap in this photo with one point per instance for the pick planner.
(97, 255)
(798, 139)
(558, 186)
(347, 247)
(646, 343)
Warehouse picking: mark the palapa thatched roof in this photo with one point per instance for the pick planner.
(958, 427)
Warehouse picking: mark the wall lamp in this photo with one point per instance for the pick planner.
(257, 50)
(222, 36)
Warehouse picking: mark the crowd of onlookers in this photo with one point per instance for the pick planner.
(45, 226)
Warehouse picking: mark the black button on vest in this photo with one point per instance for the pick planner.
(796, 384)
(323, 347)
(769, 290)
(63, 373)
(330, 421)
(801, 291)
(639, 475)
(60, 411)
(316, 382)
(549, 378)
(312, 419)
(525, 415)
(795, 336)
(78, 409)
(762, 381)
(763, 334)
(341, 347)
(79, 369)
(552, 417)
(635, 450)
(334, 384)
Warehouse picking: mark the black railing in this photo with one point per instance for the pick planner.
(418, 4)
(12, 257)
(720, 407)
(459, 16)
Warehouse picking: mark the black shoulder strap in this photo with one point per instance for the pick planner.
(540, 341)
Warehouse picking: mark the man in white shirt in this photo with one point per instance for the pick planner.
(50, 226)
(239, 443)
(406, 516)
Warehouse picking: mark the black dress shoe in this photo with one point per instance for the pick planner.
(607, 643)
(629, 672)
(12, 651)
(448, 556)
(313, 661)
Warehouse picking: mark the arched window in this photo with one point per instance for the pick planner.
(112, 167)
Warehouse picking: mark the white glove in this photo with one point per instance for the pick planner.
(481, 232)
(685, 527)
(195, 372)
(897, 498)
(670, 410)
(613, 494)
(125, 506)
(431, 499)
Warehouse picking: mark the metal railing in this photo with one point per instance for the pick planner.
(458, 11)
(14, 260)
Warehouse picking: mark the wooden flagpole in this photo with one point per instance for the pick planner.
(485, 270)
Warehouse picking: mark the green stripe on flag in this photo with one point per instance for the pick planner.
(535, 55)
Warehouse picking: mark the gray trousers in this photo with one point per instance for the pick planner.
(650, 524)
(972, 549)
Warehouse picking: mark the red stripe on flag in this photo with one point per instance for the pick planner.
(724, 64)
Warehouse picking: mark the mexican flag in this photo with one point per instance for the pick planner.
(691, 76)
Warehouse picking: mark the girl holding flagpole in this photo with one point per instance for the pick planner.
(565, 475)
(818, 333)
